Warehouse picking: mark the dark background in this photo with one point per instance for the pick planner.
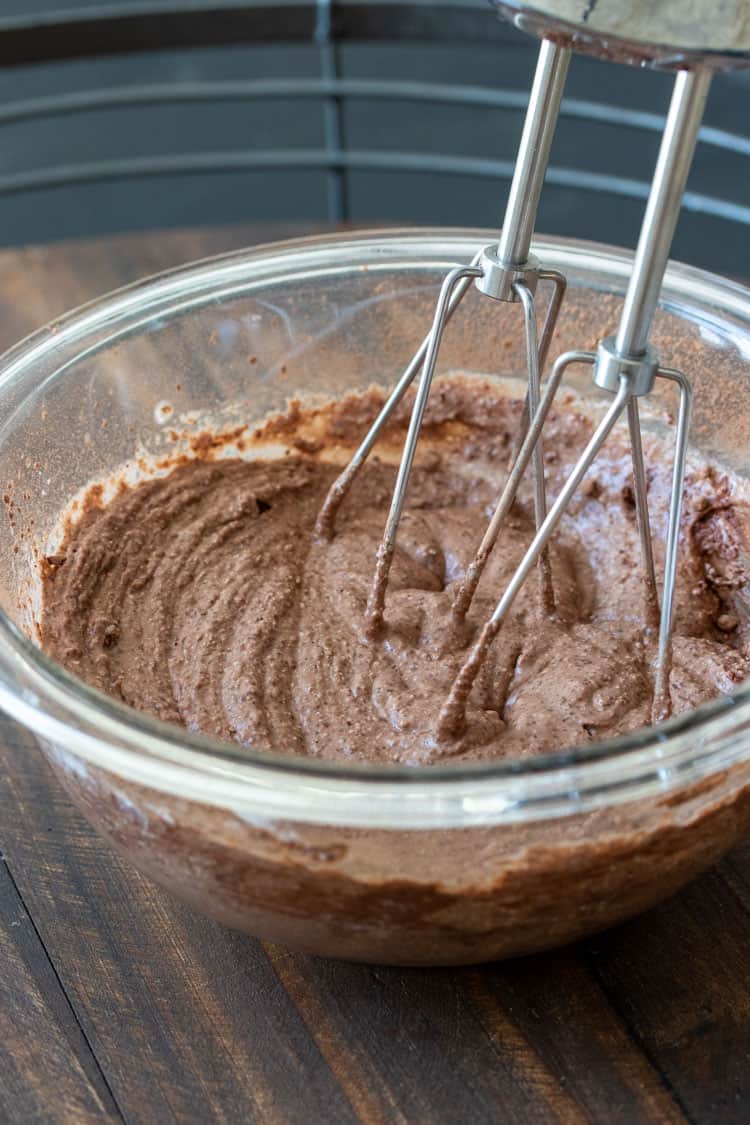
(179, 152)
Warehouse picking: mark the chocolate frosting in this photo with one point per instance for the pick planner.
(202, 596)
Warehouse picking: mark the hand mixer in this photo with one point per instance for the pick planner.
(694, 43)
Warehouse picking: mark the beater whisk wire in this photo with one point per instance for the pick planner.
(547, 597)
(643, 522)
(376, 601)
(529, 449)
(326, 521)
(662, 703)
(452, 715)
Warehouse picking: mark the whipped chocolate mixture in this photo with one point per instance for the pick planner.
(203, 598)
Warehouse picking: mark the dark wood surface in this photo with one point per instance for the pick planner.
(119, 1004)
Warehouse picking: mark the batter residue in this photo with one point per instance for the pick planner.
(203, 598)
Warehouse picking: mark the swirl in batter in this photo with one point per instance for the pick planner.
(202, 597)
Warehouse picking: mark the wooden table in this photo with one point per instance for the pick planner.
(117, 1003)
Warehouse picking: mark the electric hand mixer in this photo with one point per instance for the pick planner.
(694, 38)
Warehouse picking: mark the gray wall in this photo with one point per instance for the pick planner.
(64, 174)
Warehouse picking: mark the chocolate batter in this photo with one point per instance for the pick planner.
(203, 597)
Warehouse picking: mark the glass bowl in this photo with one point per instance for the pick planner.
(455, 864)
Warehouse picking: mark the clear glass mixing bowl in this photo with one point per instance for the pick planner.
(456, 864)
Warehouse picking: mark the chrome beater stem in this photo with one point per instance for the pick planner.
(376, 602)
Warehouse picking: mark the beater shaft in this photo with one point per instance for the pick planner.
(501, 274)
(627, 366)
(504, 280)
(663, 209)
(659, 222)
(530, 168)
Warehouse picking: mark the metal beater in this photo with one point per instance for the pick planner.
(625, 364)
(507, 272)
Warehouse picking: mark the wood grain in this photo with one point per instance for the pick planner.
(187, 1020)
(198, 1023)
(117, 1003)
(42, 1046)
(684, 987)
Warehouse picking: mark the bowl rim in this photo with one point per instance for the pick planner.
(65, 712)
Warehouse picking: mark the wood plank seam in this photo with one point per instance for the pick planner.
(355, 1092)
(501, 1032)
(636, 1038)
(63, 991)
